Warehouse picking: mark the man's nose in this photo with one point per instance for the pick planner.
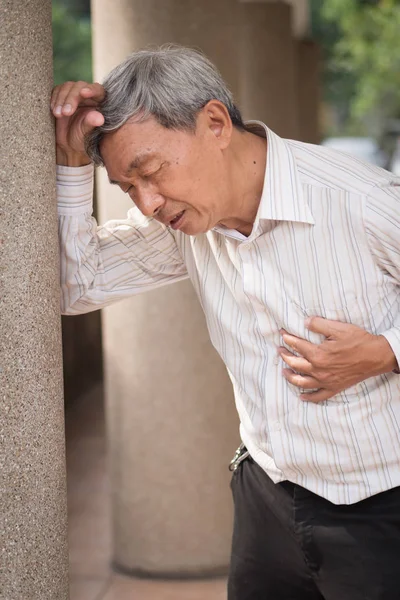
(149, 202)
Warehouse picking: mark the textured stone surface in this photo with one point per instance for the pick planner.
(171, 418)
(33, 550)
(268, 77)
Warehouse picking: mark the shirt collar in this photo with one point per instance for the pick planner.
(282, 197)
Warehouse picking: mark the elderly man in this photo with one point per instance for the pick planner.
(294, 252)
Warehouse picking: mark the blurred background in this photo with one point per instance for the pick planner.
(324, 71)
(359, 69)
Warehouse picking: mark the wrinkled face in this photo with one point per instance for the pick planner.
(180, 178)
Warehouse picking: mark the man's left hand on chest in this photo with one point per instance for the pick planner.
(347, 355)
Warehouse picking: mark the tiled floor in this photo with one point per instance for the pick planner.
(89, 524)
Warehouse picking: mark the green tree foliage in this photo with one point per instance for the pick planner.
(80, 8)
(338, 84)
(71, 44)
(368, 51)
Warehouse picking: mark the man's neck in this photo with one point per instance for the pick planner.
(249, 155)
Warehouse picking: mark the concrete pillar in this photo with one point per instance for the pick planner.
(33, 528)
(132, 24)
(172, 424)
(308, 91)
(301, 18)
(268, 82)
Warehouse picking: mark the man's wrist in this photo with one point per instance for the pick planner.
(72, 159)
(387, 356)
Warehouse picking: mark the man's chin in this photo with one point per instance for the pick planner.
(194, 229)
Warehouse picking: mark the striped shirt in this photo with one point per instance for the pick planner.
(326, 241)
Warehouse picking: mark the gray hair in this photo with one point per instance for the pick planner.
(171, 83)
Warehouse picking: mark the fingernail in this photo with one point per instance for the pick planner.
(67, 108)
(58, 110)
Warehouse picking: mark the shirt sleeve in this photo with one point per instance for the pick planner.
(382, 219)
(101, 265)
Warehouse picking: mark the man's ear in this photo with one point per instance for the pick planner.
(215, 117)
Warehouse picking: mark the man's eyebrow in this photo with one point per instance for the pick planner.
(137, 162)
(140, 160)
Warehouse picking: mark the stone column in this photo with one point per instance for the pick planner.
(268, 81)
(172, 424)
(308, 91)
(301, 18)
(132, 24)
(33, 528)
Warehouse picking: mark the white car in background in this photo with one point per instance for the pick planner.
(395, 162)
(365, 148)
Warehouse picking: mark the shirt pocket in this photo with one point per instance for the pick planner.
(367, 313)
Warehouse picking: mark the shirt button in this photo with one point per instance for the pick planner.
(277, 426)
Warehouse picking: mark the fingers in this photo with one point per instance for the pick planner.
(95, 91)
(58, 95)
(327, 327)
(92, 119)
(71, 131)
(318, 396)
(298, 363)
(315, 393)
(302, 381)
(303, 347)
(67, 97)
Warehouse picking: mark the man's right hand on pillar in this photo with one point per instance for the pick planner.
(75, 106)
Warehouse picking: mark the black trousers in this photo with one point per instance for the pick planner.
(290, 544)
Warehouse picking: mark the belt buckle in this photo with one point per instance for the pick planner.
(240, 454)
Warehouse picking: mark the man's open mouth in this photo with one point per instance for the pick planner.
(175, 222)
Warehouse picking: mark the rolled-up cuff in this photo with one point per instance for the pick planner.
(74, 190)
(393, 337)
